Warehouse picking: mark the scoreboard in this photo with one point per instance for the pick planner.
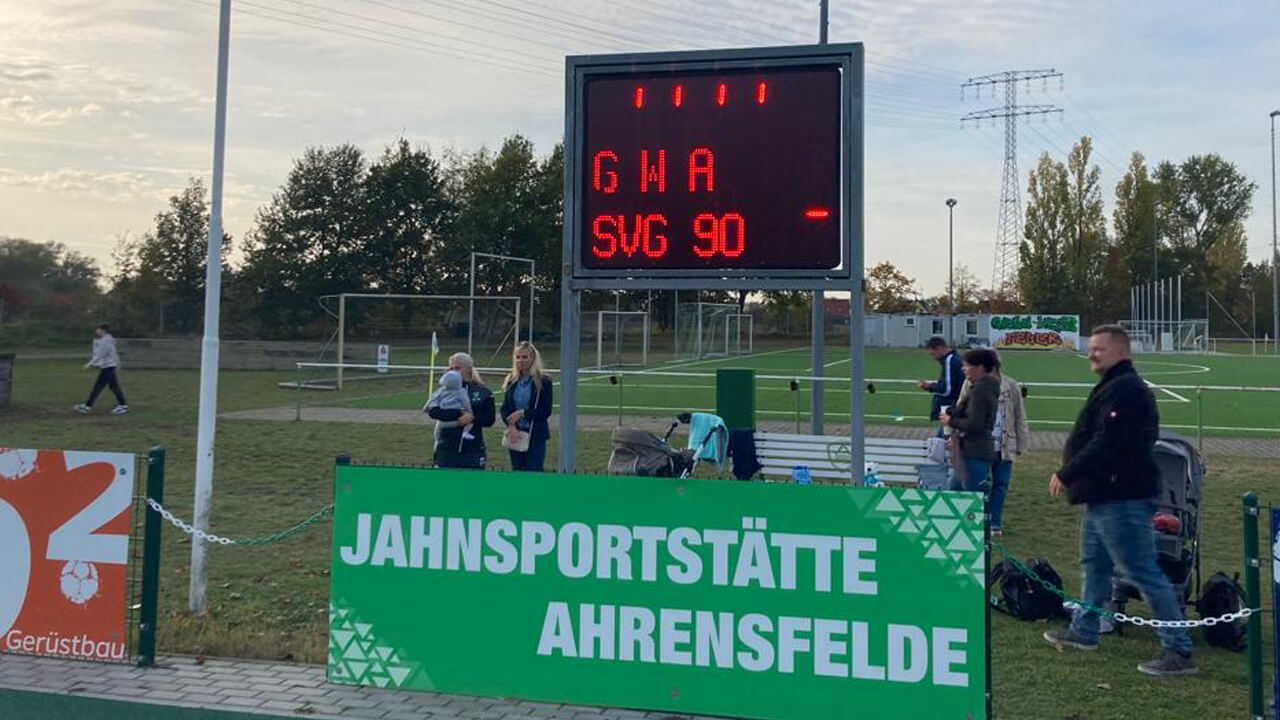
(731, 164)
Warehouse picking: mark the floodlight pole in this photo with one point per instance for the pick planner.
(1275, 252)
(819, 323)
(951, 269)
(205, 427)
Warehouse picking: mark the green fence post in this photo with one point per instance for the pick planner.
(151, 561)
(1253, 597)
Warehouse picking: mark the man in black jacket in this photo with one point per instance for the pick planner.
(946, 391)
(1109, 467)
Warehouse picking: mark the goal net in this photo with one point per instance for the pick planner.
(1177, 336)
(397, 330)
(708, 330)
(621, 338)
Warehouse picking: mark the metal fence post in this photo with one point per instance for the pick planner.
(1253, 597)
(1200, 420)
(151, 561)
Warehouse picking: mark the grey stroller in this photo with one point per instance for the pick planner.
(1182, 471)
(640, 452)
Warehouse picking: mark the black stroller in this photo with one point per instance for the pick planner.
(639, 452)
(1177, 522)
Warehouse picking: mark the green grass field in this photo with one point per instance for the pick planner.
(271, 602)
(673, 387)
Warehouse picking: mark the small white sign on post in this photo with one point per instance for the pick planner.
(384, 357)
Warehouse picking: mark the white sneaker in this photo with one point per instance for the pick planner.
(119, 409)
(82, 409)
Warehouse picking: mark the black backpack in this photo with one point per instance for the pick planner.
(1222, 595)
(1021, 596)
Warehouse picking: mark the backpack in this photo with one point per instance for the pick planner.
(1222, 595)
(1021, 596)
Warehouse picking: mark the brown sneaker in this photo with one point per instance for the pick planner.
(1170, 664)
(1066, 638)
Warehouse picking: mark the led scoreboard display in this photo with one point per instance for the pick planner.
(728, 168)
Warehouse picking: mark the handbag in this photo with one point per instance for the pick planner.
(520, 443)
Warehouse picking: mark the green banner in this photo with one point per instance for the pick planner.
(697, 596)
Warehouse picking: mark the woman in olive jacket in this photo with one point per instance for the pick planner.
(975, 417)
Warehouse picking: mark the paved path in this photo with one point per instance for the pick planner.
(1040, 439)
(274, 689)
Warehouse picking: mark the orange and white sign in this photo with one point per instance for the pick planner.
(64, 552)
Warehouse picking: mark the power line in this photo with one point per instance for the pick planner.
(518, 56)
(243, 7)
(470, 26)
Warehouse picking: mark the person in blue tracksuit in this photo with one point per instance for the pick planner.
(946, 389)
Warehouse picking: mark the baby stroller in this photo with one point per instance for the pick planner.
(638, 452)
(1177, 521)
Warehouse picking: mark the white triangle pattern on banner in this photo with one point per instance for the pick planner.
(358, 657)
(943, 526)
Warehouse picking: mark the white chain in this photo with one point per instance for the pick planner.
(1186, 624)
(178, 523)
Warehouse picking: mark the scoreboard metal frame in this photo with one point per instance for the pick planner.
(847, 58)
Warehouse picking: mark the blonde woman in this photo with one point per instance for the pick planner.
(452, 449)
(526, 406)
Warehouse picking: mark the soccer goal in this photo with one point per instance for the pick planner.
(709, 330)
(622, 338)
(399, 329)
(1173, 336)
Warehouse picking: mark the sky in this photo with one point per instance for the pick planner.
(106, 109)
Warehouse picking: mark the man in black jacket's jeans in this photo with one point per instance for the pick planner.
(1109, 466)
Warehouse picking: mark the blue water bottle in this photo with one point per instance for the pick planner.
(801, 476)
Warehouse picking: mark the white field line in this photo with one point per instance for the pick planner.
(1166, 391)
(845, 416)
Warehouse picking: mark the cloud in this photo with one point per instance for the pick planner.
(111, 186)
(26, 110)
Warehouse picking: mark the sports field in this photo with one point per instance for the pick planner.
(1191, 389)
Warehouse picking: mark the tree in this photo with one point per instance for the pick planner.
(311, 240)
(1043, 280)
(1134, 222)
(1204, 202)
(1066, 246)
(46, 283)
(164, 272)
(410, 213)
(1087, 241)
(968, 290)
(509, 204)
(889, 290)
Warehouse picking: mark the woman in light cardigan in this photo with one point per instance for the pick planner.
(1011, 437)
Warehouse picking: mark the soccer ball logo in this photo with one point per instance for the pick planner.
(16, 463)
(79, 581)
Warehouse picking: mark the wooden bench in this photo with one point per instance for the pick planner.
(827, 456)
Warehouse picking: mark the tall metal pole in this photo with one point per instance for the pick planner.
(817, 409)
(209, 348)
(471, 306)
(1275, 252)
(951, 269)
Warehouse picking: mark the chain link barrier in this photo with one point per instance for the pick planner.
(320, 516)
(1120, 617)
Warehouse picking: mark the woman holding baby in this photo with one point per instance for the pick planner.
(461, 407)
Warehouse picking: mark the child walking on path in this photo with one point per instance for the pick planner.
(107, 360)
